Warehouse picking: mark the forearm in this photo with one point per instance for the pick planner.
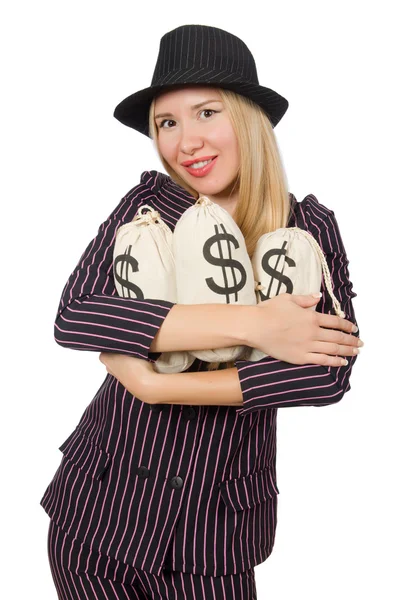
(106, 323)
(271, 383)
(91, 316)
(220, 388)
(203, 326)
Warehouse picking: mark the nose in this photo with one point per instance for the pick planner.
(190, 141)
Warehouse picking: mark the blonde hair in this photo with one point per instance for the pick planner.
(263, 203)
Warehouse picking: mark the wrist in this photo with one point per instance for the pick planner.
(245, 323)
(150, 387)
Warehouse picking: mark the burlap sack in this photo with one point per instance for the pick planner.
(144, 267)
(288, 260)
(212, 265)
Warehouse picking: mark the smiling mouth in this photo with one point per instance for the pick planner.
(189, 163)
(200, 164)
(201, 168)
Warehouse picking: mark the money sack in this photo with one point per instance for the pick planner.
(144, 267)
(212, 265)
(288, 260)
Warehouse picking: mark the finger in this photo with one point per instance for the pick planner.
(325, 360)
(332, 336)
(334, 349)
(335, 322)
(304, 301)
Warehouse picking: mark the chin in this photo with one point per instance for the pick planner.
(212, 188)
(215, 191)
(209, 191)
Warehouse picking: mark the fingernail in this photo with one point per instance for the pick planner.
(317, 295)
(355, 328)
(360, 343)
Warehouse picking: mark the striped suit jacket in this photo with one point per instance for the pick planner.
(188, 488)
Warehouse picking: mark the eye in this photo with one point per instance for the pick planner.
(206, 110)
(165, 121)
(209, 110)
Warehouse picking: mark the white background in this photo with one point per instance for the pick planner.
(66, 163)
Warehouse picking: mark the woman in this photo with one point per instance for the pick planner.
(167, 487)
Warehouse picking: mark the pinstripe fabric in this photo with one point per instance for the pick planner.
(205, 51)
(80, 572)
(203, 55)
(116, 487)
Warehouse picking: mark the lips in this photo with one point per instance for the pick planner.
(187, 163)
(202, 171)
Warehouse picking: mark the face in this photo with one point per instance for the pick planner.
(193, 125)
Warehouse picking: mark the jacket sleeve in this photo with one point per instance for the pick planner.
(91, 315)
(272, 383)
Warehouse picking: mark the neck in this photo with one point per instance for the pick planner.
(227, 199)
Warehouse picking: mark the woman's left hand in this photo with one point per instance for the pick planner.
(134, 374)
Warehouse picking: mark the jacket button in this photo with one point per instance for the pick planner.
(176, 483)
(143, 472)
(188, 412)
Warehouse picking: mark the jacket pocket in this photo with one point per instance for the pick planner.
(85, 455)
(245, 492)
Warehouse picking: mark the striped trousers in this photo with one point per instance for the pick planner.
(80, 573)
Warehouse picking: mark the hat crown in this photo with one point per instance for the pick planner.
(200, 50)
(204, 56)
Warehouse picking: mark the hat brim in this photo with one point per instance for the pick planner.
(133, 111)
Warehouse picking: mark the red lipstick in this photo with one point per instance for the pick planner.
(187, 163)
(203, 170)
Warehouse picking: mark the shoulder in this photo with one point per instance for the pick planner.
(156, 185)
(158, 189)
(310, 214)
(155, 182)
(319, 220)
(150, 183)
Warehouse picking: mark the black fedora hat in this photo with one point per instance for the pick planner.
(201, 55)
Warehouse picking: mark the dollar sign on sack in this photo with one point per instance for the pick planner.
(125, 261)
(224, 262)
(274, 273)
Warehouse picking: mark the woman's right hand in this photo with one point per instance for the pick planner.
(285, 330)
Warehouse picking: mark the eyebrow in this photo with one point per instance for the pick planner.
(193, 108)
